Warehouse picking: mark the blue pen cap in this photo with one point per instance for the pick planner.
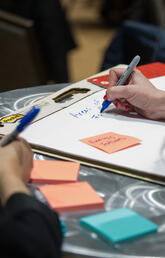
(25, 121)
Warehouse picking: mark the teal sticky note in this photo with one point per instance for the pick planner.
(63, 227)
(118, 225)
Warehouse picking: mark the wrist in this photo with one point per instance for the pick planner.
(159, 105)
(9, 185)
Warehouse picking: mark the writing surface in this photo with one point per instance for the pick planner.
(63, 130)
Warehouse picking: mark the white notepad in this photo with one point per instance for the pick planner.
(63, 130)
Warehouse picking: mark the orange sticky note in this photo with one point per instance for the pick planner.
(71, 196)
(53, 172)
(111, 142)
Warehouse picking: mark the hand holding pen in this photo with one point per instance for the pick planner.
(122, 79)
(139, 95)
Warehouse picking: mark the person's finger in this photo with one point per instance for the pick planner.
(105, 96)
(112, 78)
(26, 145)
(118, 71)
(120, 92)
(123, 105)
(24, 142)
(114, 75)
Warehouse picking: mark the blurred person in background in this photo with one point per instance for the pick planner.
(114, 12)
(53, 32)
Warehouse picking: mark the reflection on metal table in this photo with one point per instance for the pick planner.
(118, 191)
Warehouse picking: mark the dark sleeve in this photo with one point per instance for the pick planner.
(28, 228)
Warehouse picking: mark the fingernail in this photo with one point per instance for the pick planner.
(105, 97)
(127, 107)
(117, 105)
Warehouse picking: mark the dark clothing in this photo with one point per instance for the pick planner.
(135, 38)
(53, 32)
(29, 228)
(114, 12)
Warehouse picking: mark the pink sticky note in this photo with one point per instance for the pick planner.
(53, 172)
(111, 142)
(71, 196)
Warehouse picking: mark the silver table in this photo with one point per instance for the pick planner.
(118, 191)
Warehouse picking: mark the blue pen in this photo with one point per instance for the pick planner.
(123, 79)
(24, 122)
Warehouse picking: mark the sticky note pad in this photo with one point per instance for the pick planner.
(71, 196)
(111, 142)
(53, 172)
(118, 225)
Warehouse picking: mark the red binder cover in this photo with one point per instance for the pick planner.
(149, 70)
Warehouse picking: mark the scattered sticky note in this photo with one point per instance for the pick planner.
(71, 196)
(111, 142)
(53, 172)
(118, 225)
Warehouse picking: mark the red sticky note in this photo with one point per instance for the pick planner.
(71, 196)
(53, 172)
(111, 142)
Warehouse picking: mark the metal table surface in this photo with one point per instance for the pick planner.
(118, 191)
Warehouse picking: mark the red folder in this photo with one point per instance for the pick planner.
(149, 70)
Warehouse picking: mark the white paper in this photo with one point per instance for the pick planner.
(63, 130)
